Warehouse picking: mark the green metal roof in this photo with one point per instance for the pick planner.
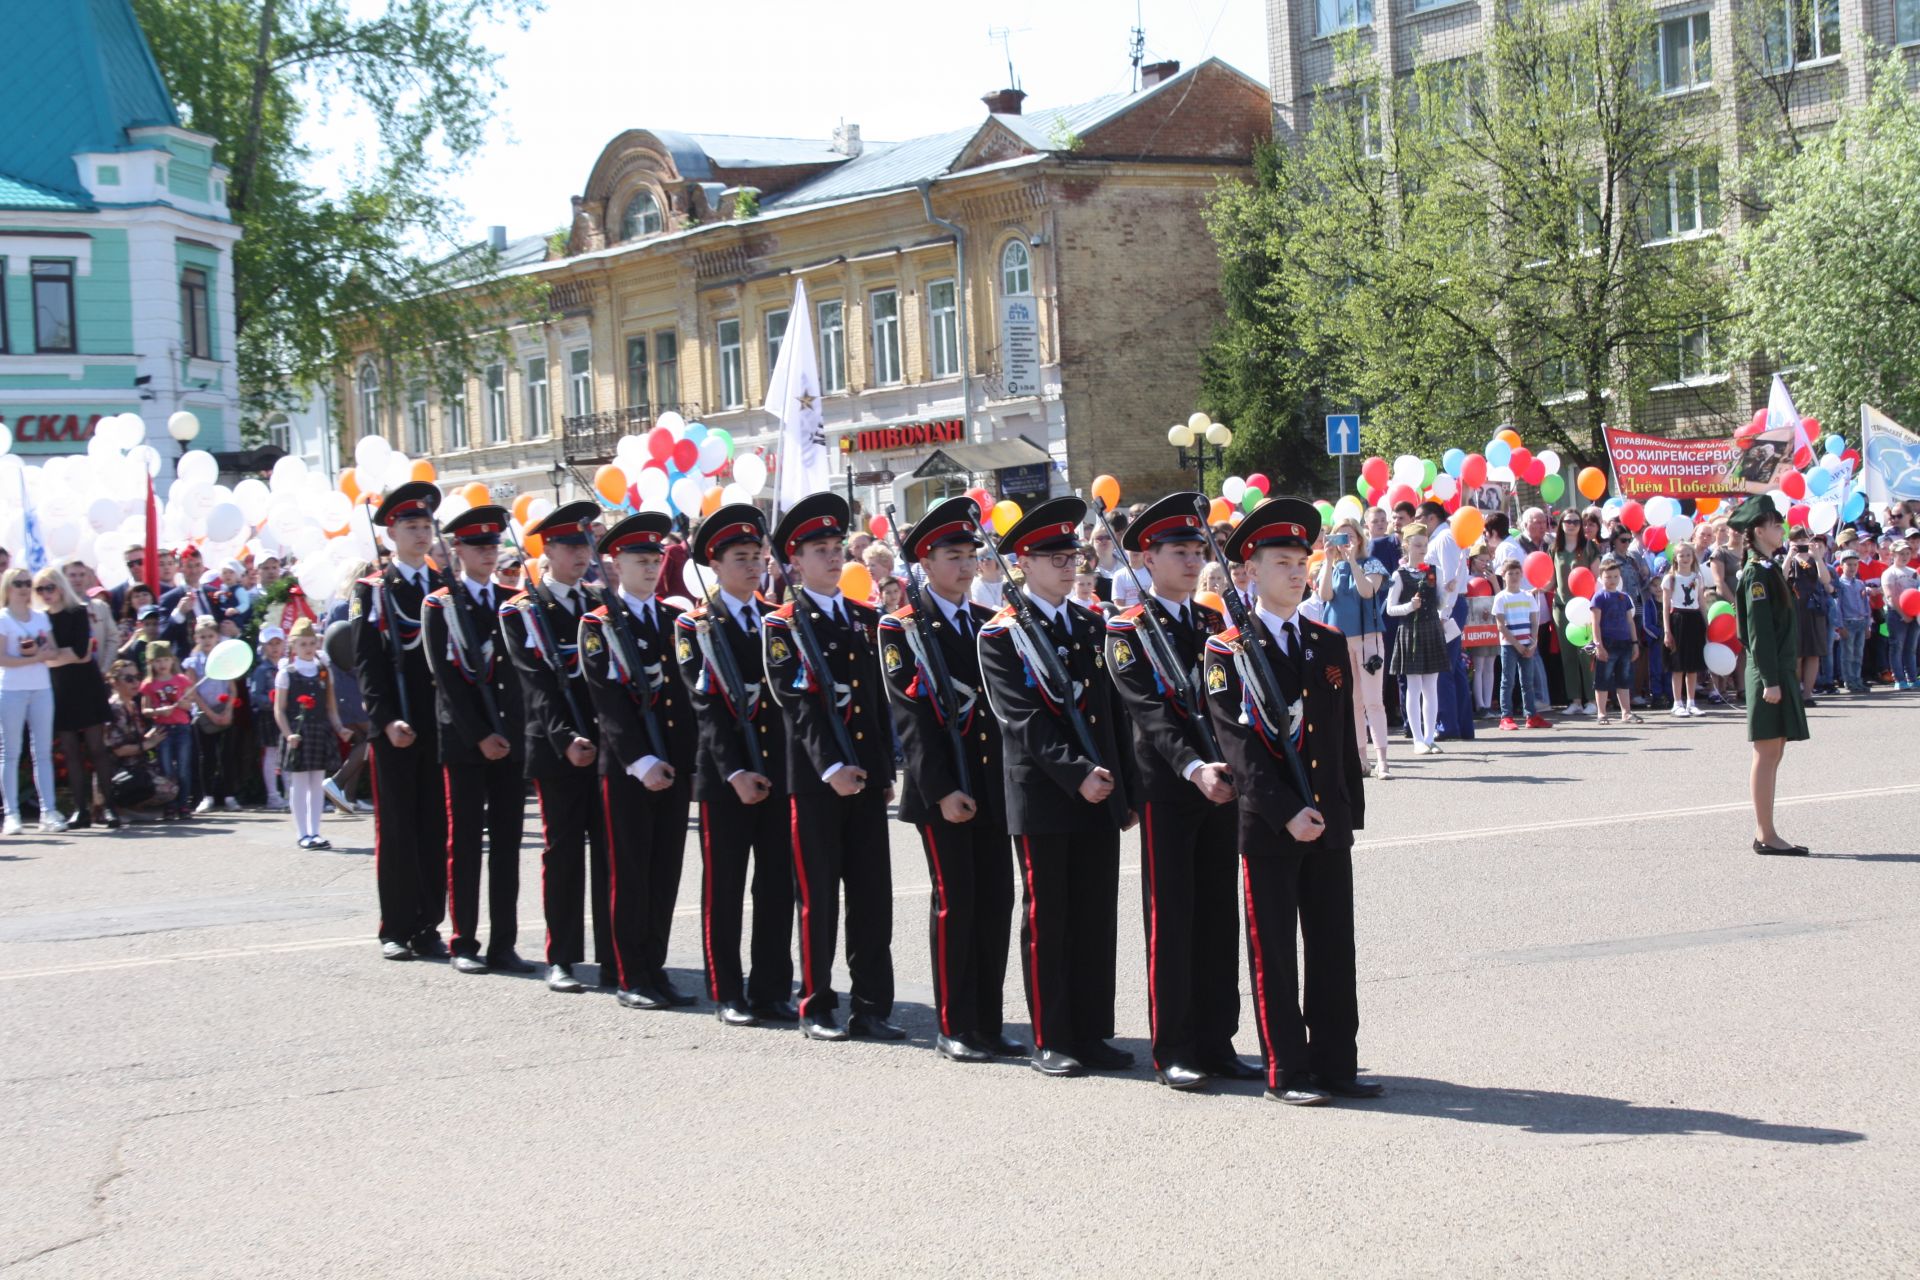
(17, 193)
(93, 77)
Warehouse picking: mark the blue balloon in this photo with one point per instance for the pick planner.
(1819, 480)
(1836, 445)
(1499, 453)
(1855, 505)
(696, 432)
(1452, 460)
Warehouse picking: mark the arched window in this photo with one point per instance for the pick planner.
(642, 217)
(1016, 268)
(369, 400)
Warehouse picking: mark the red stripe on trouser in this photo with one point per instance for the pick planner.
(373, 781)
(453, 892)
(1033, 947)
(546, 848)
(806, 909)
(1259, 959)
(944, 987)
(706, 902)
(1152, 890)
(613, 879)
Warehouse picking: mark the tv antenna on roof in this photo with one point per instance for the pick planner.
(1137, 45)
(1005, 36)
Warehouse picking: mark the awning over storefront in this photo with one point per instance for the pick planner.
(978, 459)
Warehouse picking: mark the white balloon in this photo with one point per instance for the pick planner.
(147, 457)
(634, 447)
(539, 509)
(62, 540)
(750, 473)
(196, 466)
(686, 495)
(672, 421)
(735, 492)
(1348, 508)
(1822, 517)
(371, 452)
(1781, 502)
(6, 439)
(450, 506)
(103, 514)
(1579, 612)
(226, 522)
(1445, 486)
(1720, 659)
(253, 498)
(1661, 509)
(100, 448)
(713, 454)
(287, 474)
(1679, 528)
(396, 472)
(1551, 461)
(112, 569)
(652, 483)
(1409, 470)
(1233, 488)
(1500, 475)
(333, 510)
(307, 541)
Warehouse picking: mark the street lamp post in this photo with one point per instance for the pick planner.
(1202, 442)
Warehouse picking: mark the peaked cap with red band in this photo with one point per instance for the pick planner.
(568, 525)
(818, 515)
(955, 521)
(478, 526)
(641, 531)
(1277, 522)
(414, 500)
(1051, 526)
(1174, 518)
(735, 522)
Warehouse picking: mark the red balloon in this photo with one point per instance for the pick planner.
(1633, 515)
(1794, 485)
(1797, 515)
(1518, 460)
(1812, 424)
(686, 455)
(1909, 602)
(660, 443)
(1538, 568)
(1473, 472)
(1803, 457)
(1536, 471)
(1398, 494)
(981, 499)
(1733, 642)
(1722, 628)
(1654, 539)
(658, 464)
(1375, 472)
(877, 526)
(1758, 424)
(1373, 495)
(1452, 504)
(1258, 480)
(1580, 581)
(1853, 456)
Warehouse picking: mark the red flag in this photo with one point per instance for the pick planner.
(150, 558)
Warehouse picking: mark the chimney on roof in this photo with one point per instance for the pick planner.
(846, 139)
(1005, 102)
(1158, 72)
(497, 237)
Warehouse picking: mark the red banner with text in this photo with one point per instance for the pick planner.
(1649, 466)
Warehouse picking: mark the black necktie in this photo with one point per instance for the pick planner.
(747, 623)
(960, 621)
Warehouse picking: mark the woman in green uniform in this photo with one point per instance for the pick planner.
(1768, 630)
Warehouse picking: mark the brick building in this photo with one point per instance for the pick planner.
(1030, 289)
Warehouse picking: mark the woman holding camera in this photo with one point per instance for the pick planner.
(1349, 588)
(27, 652)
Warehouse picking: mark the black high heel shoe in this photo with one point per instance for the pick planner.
(110, 820)
(80, 821)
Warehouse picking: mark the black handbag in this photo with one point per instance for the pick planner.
(131, 785)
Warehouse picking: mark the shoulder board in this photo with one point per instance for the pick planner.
(690, 617)
(1223, 642)
(599, 614)
(1207, 609)
(1128, 615)
(371, 580)
(903, 612)
(1324, 627)
(784, 612)
(518, 601)
(893, 621)
(440, 594)
(855, 607)
(1122, 623)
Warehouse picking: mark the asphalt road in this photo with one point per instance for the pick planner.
(1616, 1042)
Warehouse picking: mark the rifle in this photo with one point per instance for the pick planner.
(1161, 654)
(463, 643)
(719, 655)
(1268, 691)
(1042, 644)
(933, 659)
(626, 648)
(815, 657)
(537, 619)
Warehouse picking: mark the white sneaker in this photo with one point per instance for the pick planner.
(1694, 710)
(53, 825)
(1680, 710)
(205, 805)
(10, 827)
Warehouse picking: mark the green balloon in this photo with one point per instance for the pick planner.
(1720, 607)
(1579, 635)
(1884, 631)
(1551, 487)
(1431, 472)
(1326, 512)
(1360, 488)
(1251, 499)
(724, 436)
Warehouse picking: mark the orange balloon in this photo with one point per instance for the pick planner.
(521, 505)
(1592, 483)
(1508, 434)
(1212, 600)
(1468, 524)
(531, 568)
(350, 484)
(1107, 489)
(1219, 511)
(476, 494)
(1707, 506)
(610, 482)
(710, 501)
(856, 583)
(422, 470)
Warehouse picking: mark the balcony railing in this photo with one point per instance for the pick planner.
(590, 438)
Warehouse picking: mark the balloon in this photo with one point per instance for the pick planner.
(710, 500)
(1326, 513)
(1445, 487)
(1408, 471)
(685, 455)
(1633, 515)
(1535, 472)
(1233, 488)
(1374, 471)
(1836, 445)
(1251, 498)
(1679, 529)
(1519, 459)
(713, 455)
(196, 466)
(521, 506)
(749, 472)
(1508, 434)
(1260, 482)
(1909, 602)
(1661, 509)
(1818, 481)
(610, 482)
(856, 583)
(229, 660)
(1580, 582)
(103, 514)
(1812, 426)
(1467, 524)
(1366, 488)
(1592, 483)
(1107, 489)
(350, 484)
(6, 438)
(724, 436)
(1823, 518)
(1538, 568)
(1452, 460)
(422, 471)
(370, 453)
(982, 500)
(335, 512)
(1852, 508)
(1219, 511)
(476, 494)
(1473, 471)
(696, 432)
(1720, 659)
(397, 471)
(1552, 488)
(1797, 516)
(684, 493)
(1722, 628)
(1551, 458)
(732, 494)
(539, 509)
(1400, 493)
(1006, 514)
(1212, 600)
(225, 522)
(877, 526)
(1794, 485)
(659, 443)
(1428, 473)
(1498, 453)
(1579, 612)
(63, 539)
(1579, 636)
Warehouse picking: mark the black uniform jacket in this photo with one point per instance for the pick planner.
(1163, 736)
(853, 671)
(395, 606)
(617, 691)
(459, 674)
(929, 775)
(723, 750)
(1045, 761)
(533, 626)
(1319, 691)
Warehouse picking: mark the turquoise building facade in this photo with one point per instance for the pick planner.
(116, 249)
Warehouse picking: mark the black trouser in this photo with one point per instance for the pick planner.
(409, 837)
(843, 840)
(570, 826)
(1068, 933)
(647, 841)
(1314, 887)
(489, 799)
(728, 831)
(1188, 864)
(969, 921)
(212, 771)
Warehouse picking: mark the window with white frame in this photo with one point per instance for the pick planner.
(1342, 15)
(1800, 31)
(369, 400)
(1906, 21)
(833, 346)
(883, 309)
(196, 330)
(280, 433)
(943, 329)
(666, 370)
(1373, 140)
(1693, 354)
(53, 319)
(419, 443)
(637, 374)
(1016, 269)
(455, 405)
(776, 328)
(733, 376)
(642, 217)
(1688, 204)
(539, 408)
(580, 383)
(1683, 51)
(496, 404)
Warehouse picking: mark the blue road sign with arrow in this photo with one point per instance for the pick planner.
(1343, 434)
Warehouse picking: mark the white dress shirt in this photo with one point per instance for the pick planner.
(1182, 611)
(643, 610)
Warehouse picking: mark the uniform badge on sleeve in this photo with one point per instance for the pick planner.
(1759, 592)
(777, 649)
(1122, 655)
(358, 606)
(1216, 679)
(684, 649)
(591, 641)
(894, 657)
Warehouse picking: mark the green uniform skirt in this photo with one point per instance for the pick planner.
(1786, 718)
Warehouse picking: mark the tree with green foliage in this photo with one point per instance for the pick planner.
(1827, 277)
(377, 261)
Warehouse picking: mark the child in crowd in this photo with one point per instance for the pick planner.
(1616, 644)
(169, 697)
(1485, 658)
(1513, 613)
(893, 594)
(987, 587)
(144, 636)
(1903, 633)
(232, 599)
(1856, 618)
(1683, 621)
(212, 717)
(303, 692)
(1086, 583)
(260, 681)
(1420, 646)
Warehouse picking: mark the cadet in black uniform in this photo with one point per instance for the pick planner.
(409, 798)
(740, 779)
(824, 672)
(540, 628)
(1296, 842)
(1188, 863)
(482, 753)
(1066, 804)
(646, 755)
(953, 790)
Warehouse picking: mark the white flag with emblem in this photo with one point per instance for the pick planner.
(793, 396)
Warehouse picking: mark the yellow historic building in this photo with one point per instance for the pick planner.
(1026, 292)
